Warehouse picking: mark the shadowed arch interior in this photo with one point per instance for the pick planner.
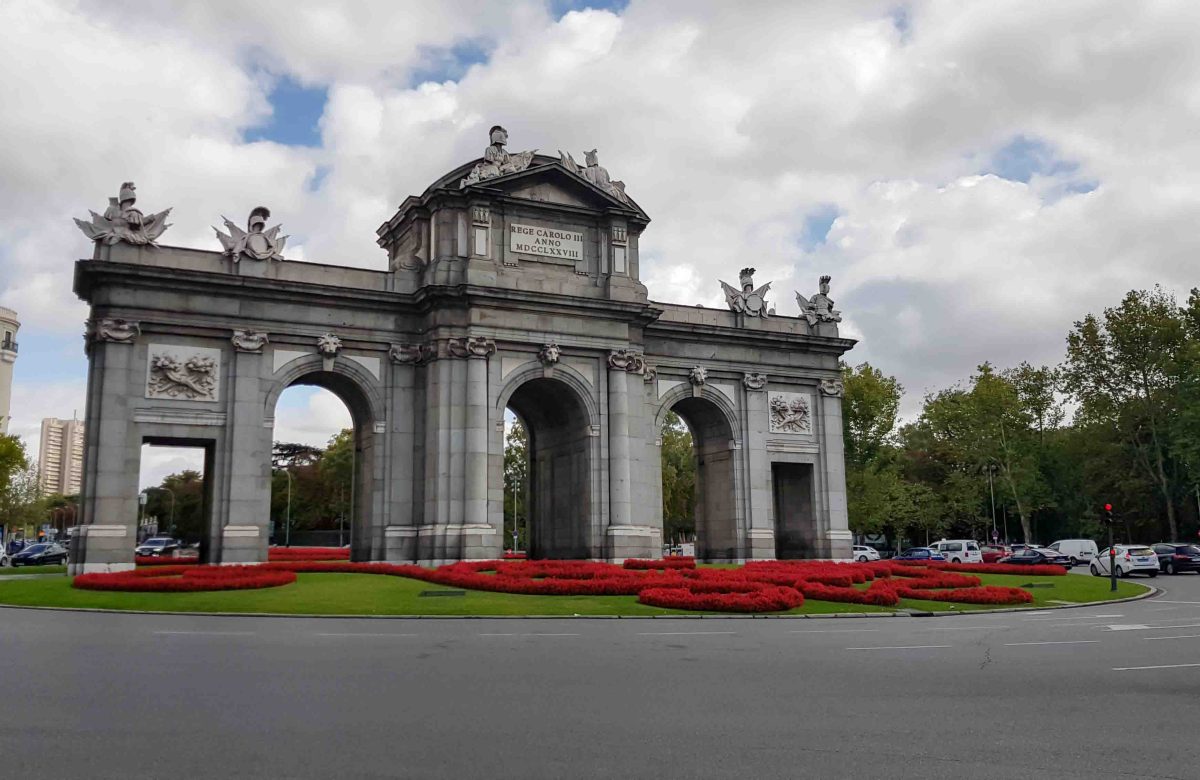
(717, 534)
(559, 468)
(716, 517)
(362, 417)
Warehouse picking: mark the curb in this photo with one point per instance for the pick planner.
(1150, 593)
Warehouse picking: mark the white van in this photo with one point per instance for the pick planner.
(1078, 550)
(959, 550)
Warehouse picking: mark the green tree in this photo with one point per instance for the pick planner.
(190, 518)
(1124, 369)
(870, 411)
(678, 459)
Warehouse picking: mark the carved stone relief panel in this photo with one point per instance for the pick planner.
(183, 373)
(789, 413)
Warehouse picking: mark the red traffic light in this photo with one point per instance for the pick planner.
(1108, 507)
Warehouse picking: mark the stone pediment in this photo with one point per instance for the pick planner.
(550, 182)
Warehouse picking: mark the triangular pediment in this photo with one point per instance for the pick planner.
(550, 182)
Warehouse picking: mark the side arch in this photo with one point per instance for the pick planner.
(360, 391)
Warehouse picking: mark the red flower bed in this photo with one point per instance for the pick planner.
(753, 597)
(668, 562)
(183, 579)
(1037, 570)
(764, 586)
(308, 554)
(512, 556)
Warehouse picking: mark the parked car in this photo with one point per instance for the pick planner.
(862, 553)
(157, 546)
(1036, 556)
(1078, 550)
(1130, 559)
(41, 554)
(993, 552)
(1174, 558)
(920, 554)
(959, 550)
(3, 557)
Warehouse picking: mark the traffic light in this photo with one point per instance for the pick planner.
(1108, 514)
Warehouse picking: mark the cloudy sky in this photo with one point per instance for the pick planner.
(974, 175)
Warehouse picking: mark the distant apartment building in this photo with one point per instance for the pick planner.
(60, 457)
(8, 356)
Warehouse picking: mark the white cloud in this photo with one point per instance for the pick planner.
(728, 128)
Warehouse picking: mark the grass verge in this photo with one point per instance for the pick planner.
(366, 594)
(8, 571)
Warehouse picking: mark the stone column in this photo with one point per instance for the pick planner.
(479, 537)
(112, 451)
(620, 501)
(400, 536)
(760, 534)
(837, 534)
(244, 521)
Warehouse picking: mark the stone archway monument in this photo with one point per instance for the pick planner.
(511, 282)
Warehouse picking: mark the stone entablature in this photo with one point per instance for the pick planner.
(188, 345)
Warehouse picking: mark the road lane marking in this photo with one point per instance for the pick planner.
(964, 628)
(1164, 601)
(1181, 636)
(1141, 668)
(527, 635)
(1067, 642)
(204, 633)
(683, 633)
(1144, 627)
(836, 631)
(353, 634)
(1077, 617)
(902, 647)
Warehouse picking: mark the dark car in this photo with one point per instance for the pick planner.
(1175, 557)
(1036, 556)
(157, 546)
(919, 554)
(41, 554)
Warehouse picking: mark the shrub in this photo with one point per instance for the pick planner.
(183, 579)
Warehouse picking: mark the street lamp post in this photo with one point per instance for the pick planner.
(992, 492)
(171, 515)
(287, 522)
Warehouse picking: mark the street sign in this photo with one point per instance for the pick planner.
(995, 535)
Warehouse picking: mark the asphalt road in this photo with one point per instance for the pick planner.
(1103, 691)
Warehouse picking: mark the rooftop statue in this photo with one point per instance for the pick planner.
(819, 308)
(749, 301)
(496, 161)
(255, 242)
(123, 222)
(595, 173)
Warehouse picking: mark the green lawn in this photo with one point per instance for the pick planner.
(366, 594)
(10, 570)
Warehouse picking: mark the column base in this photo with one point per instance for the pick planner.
(241, 544)
(633, 541)
(760, 544)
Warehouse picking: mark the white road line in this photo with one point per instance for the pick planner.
(964, 628)
(1140, 668)
(1070, 642)
(1164, 601)
(836, 631)
(1181, 636)
(204, 633)
(902, 647)
(1077, 617)
(683, 633)
(1144, 627)
(351, 634)
(527, 635)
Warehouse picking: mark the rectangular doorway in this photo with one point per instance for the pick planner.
(795, 518)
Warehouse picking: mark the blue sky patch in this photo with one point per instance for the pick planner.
(902, 21)
(560, 8)
(295, 116)
(449, 63)
(816, 226)
(1022, 158)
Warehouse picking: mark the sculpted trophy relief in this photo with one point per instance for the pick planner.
(123, 222)
(497, 161)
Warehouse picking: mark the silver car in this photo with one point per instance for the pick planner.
(1130, 559)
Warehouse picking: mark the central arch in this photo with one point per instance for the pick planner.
(560, 468)
(353, 387)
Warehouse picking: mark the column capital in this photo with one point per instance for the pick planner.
(249, 341)
(470, 347)
(629, 360)
(115, 330)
